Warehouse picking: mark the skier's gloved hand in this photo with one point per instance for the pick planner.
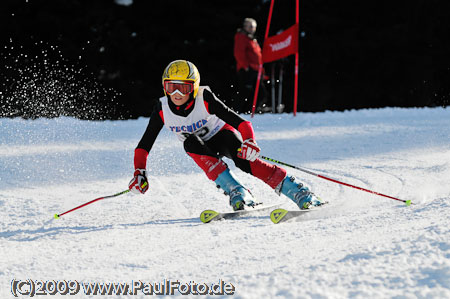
(139, 184)
(249, 150)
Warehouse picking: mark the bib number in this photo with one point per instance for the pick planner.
(200, 133)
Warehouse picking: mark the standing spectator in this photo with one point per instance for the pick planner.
(248, 55)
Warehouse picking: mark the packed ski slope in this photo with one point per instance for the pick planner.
(359, 246)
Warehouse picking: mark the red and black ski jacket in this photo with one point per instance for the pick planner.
(213, 106)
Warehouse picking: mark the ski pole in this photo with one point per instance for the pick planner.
(92, 201)
(407, 202)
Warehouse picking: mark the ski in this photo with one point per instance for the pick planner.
(282, 215)
(211, 215)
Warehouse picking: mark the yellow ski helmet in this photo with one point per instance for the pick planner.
(182, 70)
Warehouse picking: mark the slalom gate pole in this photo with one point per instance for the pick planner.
(89, 202)
(407, 202)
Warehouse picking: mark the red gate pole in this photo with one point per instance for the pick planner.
(258, 80)
(296, 59)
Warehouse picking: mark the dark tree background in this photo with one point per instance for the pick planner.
(97, 59)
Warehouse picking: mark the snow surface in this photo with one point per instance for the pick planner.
(360, 246)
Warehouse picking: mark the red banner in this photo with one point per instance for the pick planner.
(281, 45)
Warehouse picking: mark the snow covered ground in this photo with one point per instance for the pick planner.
(359, 246)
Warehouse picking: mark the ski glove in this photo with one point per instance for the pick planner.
(139, 184)
(249, 150)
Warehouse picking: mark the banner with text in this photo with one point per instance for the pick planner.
(281, 45)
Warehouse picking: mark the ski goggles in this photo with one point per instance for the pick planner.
(182, 87)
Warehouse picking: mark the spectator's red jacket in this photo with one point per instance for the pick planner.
(246, 51)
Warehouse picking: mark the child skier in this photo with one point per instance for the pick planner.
(209, 131)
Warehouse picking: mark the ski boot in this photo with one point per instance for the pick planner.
(239, 196)
(298, 193)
